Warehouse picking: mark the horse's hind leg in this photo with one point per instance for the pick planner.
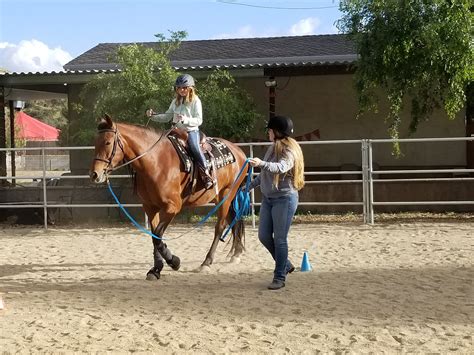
(218, 230)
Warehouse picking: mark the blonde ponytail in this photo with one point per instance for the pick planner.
(298, 168)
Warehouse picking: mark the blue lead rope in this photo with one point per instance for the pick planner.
(135, 223)
(241, 205)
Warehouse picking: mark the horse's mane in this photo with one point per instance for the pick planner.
(151, 132)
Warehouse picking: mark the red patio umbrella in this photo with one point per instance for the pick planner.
(31, 129)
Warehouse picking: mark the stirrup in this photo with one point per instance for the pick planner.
(206, 178)
(208, 182)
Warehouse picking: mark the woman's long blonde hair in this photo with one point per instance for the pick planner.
(188, 98)
(288, 143)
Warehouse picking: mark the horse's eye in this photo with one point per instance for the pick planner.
(108, 143)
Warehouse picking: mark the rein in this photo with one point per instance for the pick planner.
(118, 141)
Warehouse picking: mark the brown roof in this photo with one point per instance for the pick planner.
(236, 53)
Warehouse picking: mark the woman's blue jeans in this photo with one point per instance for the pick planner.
(276, 215)
(193, 143)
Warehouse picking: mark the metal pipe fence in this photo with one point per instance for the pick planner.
(369, 177)
(372, 203)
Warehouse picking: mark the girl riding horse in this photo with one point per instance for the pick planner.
(161, 184)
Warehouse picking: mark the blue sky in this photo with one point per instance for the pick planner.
(43, 35)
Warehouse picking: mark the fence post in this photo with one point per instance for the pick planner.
(371, 182)
(147, 222)
(45, 202)
(365, 186)
(252, 193)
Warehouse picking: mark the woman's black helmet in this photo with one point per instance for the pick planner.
(282, 125)
(184, 80)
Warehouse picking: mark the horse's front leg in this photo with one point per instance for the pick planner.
(159, 223)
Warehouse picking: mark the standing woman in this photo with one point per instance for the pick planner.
(186, 111)
(280, 179)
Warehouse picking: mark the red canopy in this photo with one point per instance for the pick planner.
(31, 129)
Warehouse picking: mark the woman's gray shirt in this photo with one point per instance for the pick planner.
(271, 166)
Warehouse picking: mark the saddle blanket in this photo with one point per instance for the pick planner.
(220, 153)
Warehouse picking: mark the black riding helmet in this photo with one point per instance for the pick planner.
(282, 125)
(184, 80)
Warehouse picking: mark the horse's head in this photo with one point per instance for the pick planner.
(108, 150)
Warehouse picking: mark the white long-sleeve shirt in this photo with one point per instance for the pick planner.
(271, 166)
(191, 112)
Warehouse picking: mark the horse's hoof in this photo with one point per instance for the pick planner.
(152, 277)
(154, 273)
(235, 260)
(204, 269)
(175, 263)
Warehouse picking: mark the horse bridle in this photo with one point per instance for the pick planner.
(117, 142)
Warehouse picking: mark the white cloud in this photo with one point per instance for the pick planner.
(243, 32)
(32, 56)
(305, 26)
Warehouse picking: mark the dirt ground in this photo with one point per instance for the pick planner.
(395, 287)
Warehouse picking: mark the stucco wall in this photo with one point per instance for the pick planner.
(328, 103)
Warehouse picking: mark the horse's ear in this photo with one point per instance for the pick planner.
(105, 123)
(108, 119)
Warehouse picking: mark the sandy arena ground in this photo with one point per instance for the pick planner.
(389, 288)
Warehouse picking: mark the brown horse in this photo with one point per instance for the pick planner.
(163, 186)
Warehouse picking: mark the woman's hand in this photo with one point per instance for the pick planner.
(149, 112)
(177, 118)
(255, 162)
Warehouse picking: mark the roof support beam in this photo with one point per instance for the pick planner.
(3, 137)
(12, 139)
(27, 94)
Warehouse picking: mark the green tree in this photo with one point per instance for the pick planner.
(417, 51)
(146, 81)
(19, 142)
(52, 112)
(228, 110)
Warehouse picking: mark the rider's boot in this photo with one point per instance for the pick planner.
(206, 178)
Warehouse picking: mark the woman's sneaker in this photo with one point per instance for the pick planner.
(276, 285)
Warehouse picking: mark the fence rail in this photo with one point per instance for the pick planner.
(369, 177)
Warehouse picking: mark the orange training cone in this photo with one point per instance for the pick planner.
(305, 265)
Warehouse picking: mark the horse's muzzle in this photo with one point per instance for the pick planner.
(97, 178)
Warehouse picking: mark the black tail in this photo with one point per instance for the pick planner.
(238, 231)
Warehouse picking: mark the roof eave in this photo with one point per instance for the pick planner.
(245, 63)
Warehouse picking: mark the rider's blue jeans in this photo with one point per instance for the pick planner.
(193, 143)
(276, 215)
